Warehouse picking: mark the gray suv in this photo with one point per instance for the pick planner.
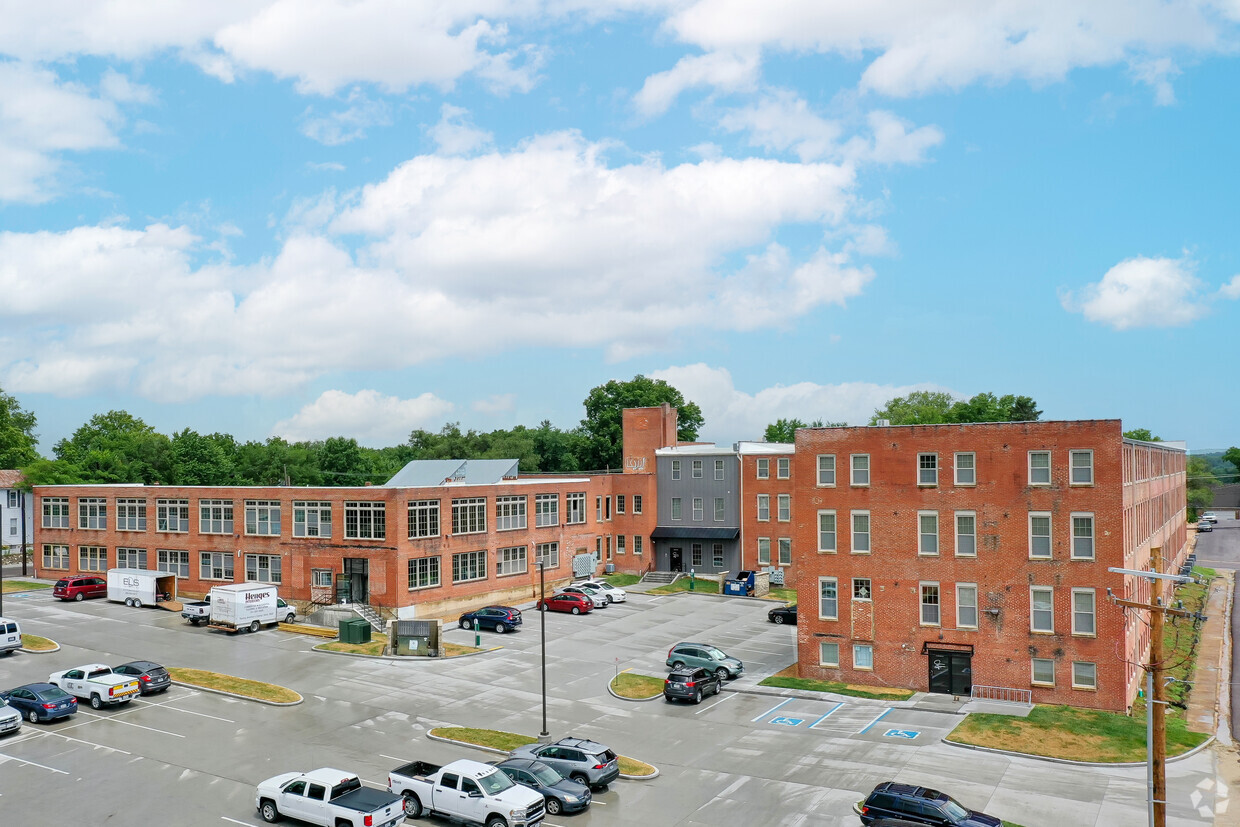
(588, 762)
(705, 656)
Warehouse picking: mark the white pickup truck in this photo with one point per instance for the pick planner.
(98, 683)
(327, 797)
(467, 791)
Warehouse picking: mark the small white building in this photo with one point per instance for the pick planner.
(13, 502)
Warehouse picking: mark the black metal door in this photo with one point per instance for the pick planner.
(962, 674)
(358, 570)
(951, 673)
(677, 559)
(940, 673)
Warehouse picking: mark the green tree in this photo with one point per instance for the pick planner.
(195, 459)
(51, 472)
(342, 462)
(1232, 455)
(918, 408)
(1201, 484)
(783, 430)
(17, 436)
(1142, 434)
(938, 407)
(117, 447)
(603, 425)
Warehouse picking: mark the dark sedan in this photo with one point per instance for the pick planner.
(783, 614)
(562, 794)
(41, 702)
(499, 618)
(152, 677)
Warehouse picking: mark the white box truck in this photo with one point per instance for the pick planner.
(141, 587)
(240, 606)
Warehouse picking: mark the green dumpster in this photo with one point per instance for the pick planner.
(354, 630)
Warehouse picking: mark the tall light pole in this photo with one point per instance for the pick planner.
(542, 610)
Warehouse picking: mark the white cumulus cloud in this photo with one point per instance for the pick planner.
(371, 417)
(455, 135)
(720, 70)
(348, 124)
(1142, 292)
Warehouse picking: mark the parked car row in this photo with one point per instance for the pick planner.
(101, 685)
(579, 598)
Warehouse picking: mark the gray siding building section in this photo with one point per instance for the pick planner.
(703, 539)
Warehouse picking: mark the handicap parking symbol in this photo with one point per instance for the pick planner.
(909, 734)
(782, 721)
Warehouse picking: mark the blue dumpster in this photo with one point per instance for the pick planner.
(742, 584)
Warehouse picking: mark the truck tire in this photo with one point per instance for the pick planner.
(253, 626)
(291, 617)
(95, 701)
(267, 809)
(496, 821)
(413, 807)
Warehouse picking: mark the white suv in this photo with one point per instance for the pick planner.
(617, 594)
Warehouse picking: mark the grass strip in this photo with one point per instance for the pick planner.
(682, 585)
(631, 766)
(8, 586)
(781, 593)
(622, 580)
(787, 679)
(228, 683)
(638, 687)
(508, 741)
(452, 650)
(37, 644)
(376, 646)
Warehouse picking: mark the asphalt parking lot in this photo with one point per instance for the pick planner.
(191, 758)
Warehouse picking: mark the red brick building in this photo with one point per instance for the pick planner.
(936, 557)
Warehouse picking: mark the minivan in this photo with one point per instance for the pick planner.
(80, 586)
(10, 636)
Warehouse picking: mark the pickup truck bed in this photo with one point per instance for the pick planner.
(417, 769)
(364, 800)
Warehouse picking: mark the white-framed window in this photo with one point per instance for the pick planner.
(860, 532)
(966, 605)
(621, 503)
(764, 507)
(622, 546)
(575, 508)
(598, 509)
(469, 565)
(469, 516)
(675, 469)
(764, 551)
(1039, 467)
(828, 598)
(1042, 609)
(1082, 536)
(424, 573)
(131, 558)
(716, 555)
(546, 510)
(785, 551)
(173, 562)
(676, 508)
(829, 654)
(13, 499)
(695, 555)
(862, 589)
(1084, 613)
(783, 468)
(930, 614)
(509, 513)
(966, 534)
(784, 503)
(215, 517)
(718, 469)
(598, 549)
(55, 556)
(263, 568)
(313, 518)
(1084, 675)
(637, 503)
(56, 513)
(1040, 535)
(826, 470)
(927, 469)
(93, 513)
(130, 514)
(637, 545)
(863, 656)
(365, 520)
(262, 518)
(423, 518)
(928, 532)
(827, 536)
(697, 469)
(92, 558)
(510, 560)
(699, 511)
(719, 509)
(1081, 465)
(966, 468)
(216, 565)
(172, 516)
(1043, 671)
(764, 468)
(548, 554)
(321, 578)
(860, 464)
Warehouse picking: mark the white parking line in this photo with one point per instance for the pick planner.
(772, 709)
(31, 763)
(164, 705)
(234, 821)
(90, 743)
(116, 719)
(716, 703)
(832, 711)
(393, 757)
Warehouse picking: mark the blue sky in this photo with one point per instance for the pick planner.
(359, 218)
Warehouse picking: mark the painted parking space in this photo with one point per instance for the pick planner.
(841, 719)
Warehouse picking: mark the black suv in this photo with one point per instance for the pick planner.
(689, 684)
(920, 805)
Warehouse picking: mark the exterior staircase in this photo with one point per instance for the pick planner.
(376, 620)
(661, 578)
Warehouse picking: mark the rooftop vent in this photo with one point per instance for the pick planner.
(882, 423)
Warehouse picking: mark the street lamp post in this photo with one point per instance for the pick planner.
(542, 604)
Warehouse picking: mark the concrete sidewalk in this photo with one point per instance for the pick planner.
(1208, 705)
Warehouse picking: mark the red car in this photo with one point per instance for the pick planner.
(80, 586)
(577, 604)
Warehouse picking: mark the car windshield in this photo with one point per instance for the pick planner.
(546, 775)
(495, 782)
(954, 811)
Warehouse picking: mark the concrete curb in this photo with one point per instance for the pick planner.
(299, 700)
(1203, 745)
(40, 651)
(495, 751)
(778, 692)
(612, 692)
(404, 658)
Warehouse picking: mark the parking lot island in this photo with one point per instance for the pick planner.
(267, 693)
